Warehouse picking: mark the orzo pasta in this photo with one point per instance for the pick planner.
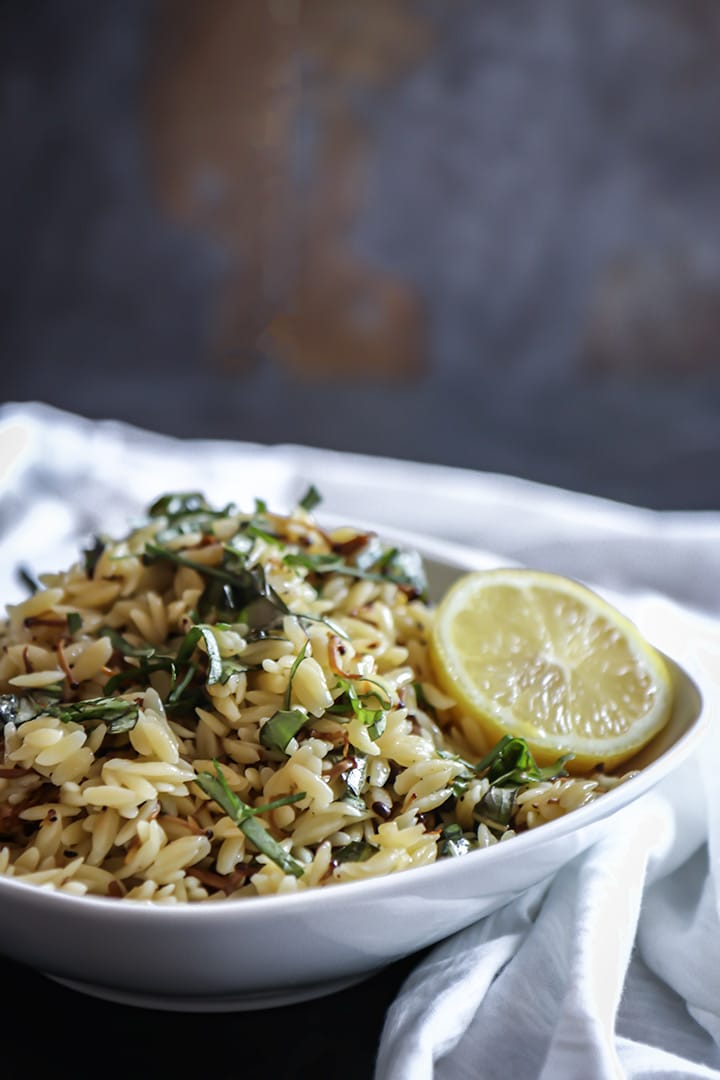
(228, 703)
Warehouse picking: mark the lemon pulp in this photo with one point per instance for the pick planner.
(534, 654)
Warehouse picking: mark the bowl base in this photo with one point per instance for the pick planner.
(242, 1002)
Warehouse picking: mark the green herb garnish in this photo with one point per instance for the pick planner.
(244, 817)
(123, 646)
(92, 554)
(232, 666)
(28, 579)
(452, 842)
(354, 780)
(495, 808)
(511, 762)
(374, 719)
(233, 589)
(310, 499)
(507, 767)
(190, 641)
(182, 695)
(178, 504)
(16, 710)
(422, 700)
(258, 532)
(355, 851)
(281, 728)
(404, 569)
(117, 713)
(285, 723)
(296, 664)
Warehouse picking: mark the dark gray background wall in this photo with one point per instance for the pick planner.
(475, 233)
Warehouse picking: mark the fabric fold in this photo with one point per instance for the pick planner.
(545, 1009)
(440, 999)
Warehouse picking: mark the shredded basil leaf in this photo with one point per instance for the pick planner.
(117, 713)
(327, 622)
(318, 563)
(187, 702)
(186, 512)
(282, 726)
(422, 700)
(193, 523)
(184, 694)
(310, 499)
(176, 696)
(257, 532)
(120, 715)
(244, 817)
(403, 569)
(240, 545)
(507, 767)
(370, 553)
(92, 554)
(511, 762)
(28, 579)
(374, 720)
(355, 851)
(231, 666)
(377, 725)
(452, 842)
(74, 621)
(16, 710)
(496, 806)
(232, 588)
(202, 630)
(296, 664)
(177, 504)
(354, 780)
(123, 646)
(8, 709)
(350, 698)
(139, 675)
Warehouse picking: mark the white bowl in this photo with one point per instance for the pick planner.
(275, 950)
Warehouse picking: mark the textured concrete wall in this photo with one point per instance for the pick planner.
(481, 233)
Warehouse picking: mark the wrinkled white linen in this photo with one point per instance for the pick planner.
(612, 968)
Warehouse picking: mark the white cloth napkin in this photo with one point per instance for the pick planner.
(612, 968)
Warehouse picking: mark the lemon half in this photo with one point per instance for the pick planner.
(538, 655)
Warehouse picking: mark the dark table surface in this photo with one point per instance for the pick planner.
(331, 1036)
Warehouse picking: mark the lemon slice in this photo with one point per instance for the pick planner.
(537, 655)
